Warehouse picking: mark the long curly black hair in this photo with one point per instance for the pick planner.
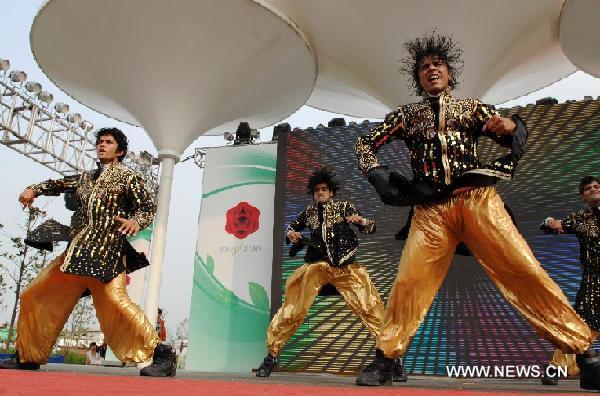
(323, 175)
(434, 45)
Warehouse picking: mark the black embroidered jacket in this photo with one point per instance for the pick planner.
(585, 224)
(441, 134)
(97, 246)
(332, 238)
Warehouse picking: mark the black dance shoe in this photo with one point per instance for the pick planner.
(378, 372)
(14, 363)
(164, 363)
(265, 368)
(547, 380)
(589, 370)
(398, 371)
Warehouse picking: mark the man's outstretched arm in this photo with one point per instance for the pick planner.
(48, 187)
(567, 225)
(293, 234)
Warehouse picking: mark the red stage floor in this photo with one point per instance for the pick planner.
(57, 379)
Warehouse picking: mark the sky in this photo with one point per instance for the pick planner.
(18, 171)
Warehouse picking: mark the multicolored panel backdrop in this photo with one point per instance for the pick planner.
(469, 323)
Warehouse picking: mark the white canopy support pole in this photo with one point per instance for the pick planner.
(168, 160)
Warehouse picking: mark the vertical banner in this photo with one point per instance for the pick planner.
(136, 281)
(232, 266)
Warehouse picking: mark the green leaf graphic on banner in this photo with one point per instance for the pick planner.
(258, 294)
(210, 264)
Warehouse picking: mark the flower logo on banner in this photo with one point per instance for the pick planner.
(242, 220)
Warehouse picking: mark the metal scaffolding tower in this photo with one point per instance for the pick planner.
(51, 135)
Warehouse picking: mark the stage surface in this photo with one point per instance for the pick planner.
(63, 379)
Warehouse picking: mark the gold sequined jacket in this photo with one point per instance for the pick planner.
(340, 241)
(441, 134)
(97, 246)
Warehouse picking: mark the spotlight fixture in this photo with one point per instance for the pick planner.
(86, 126)
(61, 107)
(279, 129)
(336, 122)
(243, 134)
(45, 97)
(145, 159)
(228, 136)
(74, 118)
(4, 64)
(546, 101)
(33, 86)
(18, 76)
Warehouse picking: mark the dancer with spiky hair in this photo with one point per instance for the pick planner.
(330, 259)
(455, 201)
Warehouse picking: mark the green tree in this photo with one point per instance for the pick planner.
(2, 277)
(20, 263)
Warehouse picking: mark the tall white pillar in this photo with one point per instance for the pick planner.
(168, 160)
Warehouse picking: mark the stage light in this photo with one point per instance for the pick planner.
(25, 106)
(33, 86)
(30, 105)
(4, 64)
(546, 101)
(86, 126)
(145, 159)
(243, 134)
(228, 136)
(18, 76)
(74, 118)
(61, 107)
(45, 97)
(255, 134)
(130, 156)
(279, 129)
(336, 122)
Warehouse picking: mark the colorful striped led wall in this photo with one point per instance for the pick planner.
(469, 322)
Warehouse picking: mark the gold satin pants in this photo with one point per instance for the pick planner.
(48, 301)
(478, 218)
(302, 287)
(568, 359)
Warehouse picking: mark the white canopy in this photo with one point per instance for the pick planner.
(511, 47)
(579, 36)
(178, 68)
